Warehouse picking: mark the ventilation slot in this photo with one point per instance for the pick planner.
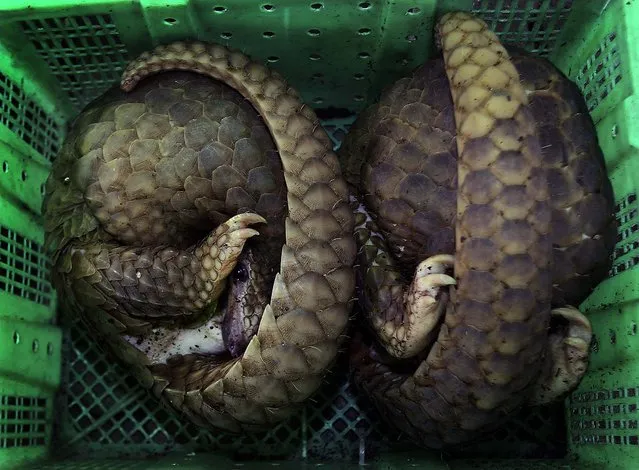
(23, 421)
(24, 268)
(27, 120)
(532, 25)
(601, 72)
(85, 53)
(626, 255)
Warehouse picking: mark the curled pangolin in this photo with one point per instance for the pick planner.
(488, 164)
(161, 197)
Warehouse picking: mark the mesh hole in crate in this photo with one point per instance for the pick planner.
(24, 268)
(23, 421)
(601, 72)
(25, 118)
(85, 53)
(626, 254)
(533, 25)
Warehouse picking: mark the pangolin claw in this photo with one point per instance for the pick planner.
(431, 283)
(424, 305)
(218, 254)
(423, 309)
(430, 277)
(243, 220)
(568, 356)
(436, 264)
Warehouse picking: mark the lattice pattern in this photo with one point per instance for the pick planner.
(27, 119)
(532, 24)
(626, 255)
(85, 53)
(24, 268)
(106, 406)
(606, 417)
(601, 72)
(23, 421)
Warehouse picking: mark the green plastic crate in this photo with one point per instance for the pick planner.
(64, 405)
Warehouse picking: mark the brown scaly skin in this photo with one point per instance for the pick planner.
(396, 180)
(584, 228)
(310, 300)
(130, 159)
(494, 322)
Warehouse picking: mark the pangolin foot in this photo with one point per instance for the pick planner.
(424, 306)
(217, 255)
(429, 278)
(568, 354)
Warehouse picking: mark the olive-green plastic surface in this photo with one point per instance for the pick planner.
(57, 55)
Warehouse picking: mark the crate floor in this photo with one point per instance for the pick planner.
(104, 412)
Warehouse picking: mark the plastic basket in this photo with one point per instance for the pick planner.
(64, 405)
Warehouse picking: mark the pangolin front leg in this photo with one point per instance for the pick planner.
(568, 355)
(404, 318)
(161, 281)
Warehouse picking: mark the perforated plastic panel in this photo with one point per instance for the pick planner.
(83, 52)
(23, 421)
(109, 413)
(26, 119)
(626, 253)
(533, 25)
(601, 72)
(622, 415)
(24, 268)
(344, 54)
